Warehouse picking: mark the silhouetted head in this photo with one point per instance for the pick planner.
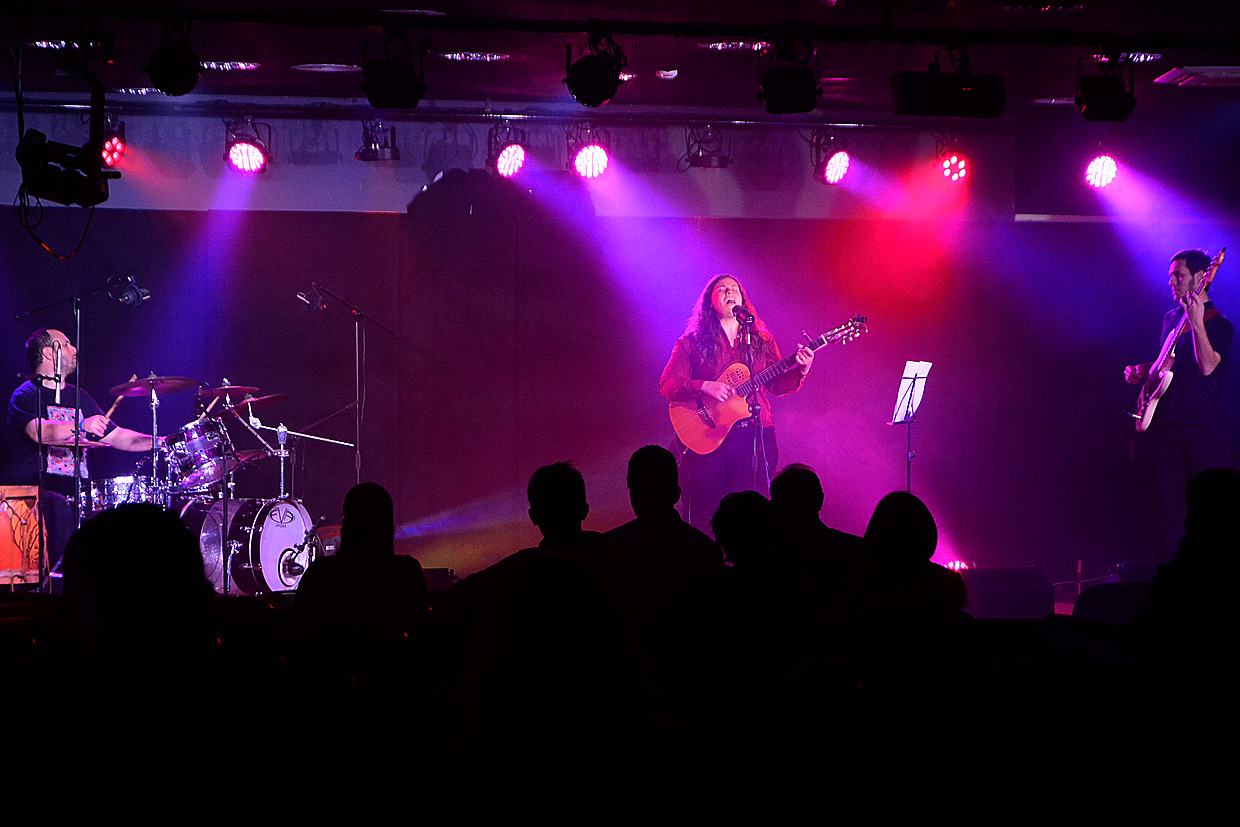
(653, 479)
(744, 526)
(796, 493)
(368, 524)
(1213, 504)
(557, 495)
(901, 531)
(134, 582)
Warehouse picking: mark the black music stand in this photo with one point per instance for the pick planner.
(908, 400)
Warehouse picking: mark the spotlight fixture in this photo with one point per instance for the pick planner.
(594, 78)
(505, 149)
(67, 174)
(959, 94)
(830, 156)
(789, 85)
(953, 163)
(1104, 96)
(587, 150)
(247, 145)
(174, 68)
(705, 148)
(378, 143)
(1101, 171)
(113, 140)
(393, 81)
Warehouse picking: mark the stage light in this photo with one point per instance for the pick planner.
(378, 143)
(113, 140)
(595, 77)
(587, 150)
(393, 81)
(829, 155)
(173, 67)
(1104, 97)
(1101, 171)
(705, 148)
(954, 164)
(959, 94)
(65, 174)
(505, 149)
(247, 145)
(789, 84)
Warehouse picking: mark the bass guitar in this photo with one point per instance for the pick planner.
(702, 426)
(1160, 375)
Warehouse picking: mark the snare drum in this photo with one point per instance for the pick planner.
(109, 493)
(272, 543)
(201, 453)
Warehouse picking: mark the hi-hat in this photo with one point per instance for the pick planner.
(159, 384)
(257, 403)
(236, 391)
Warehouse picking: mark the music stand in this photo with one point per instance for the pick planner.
(908, 399)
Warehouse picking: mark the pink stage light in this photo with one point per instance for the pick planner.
(591, 161)
(1101, 171)
(510, 160)
(836, 168)
(955, 167)
(957, 565)
(113, 151)
(244, 156)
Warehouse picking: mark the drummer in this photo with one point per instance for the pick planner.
(53, 359)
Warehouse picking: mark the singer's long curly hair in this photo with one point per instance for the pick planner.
(708, 336)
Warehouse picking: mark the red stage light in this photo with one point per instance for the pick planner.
(113, 151)
(955, 167)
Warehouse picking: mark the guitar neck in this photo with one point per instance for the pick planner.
(776, 370)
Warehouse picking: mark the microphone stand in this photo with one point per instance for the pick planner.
(359, 388)
(746, 321)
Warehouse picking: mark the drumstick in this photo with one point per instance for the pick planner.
(112, 409)
(212, 405)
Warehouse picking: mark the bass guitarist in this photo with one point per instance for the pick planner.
(1189, 430)
(713, 340)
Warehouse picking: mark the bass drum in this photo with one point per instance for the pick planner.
(272, 543)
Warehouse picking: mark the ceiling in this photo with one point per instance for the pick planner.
(1036, 47)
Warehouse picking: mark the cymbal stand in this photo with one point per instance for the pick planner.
(282, 434)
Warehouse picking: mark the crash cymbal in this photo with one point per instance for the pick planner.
(257, 403)
(236, 391)
(160, 384)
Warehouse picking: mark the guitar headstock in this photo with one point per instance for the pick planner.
(846, 332)
(1212, 269)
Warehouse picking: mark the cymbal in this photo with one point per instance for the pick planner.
(85, 443)
(236, 391)
(160, 384)
(257, 403)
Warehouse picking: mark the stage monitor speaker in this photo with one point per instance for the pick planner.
(1008, 591)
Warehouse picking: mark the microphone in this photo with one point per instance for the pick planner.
(742, 315)
(56, 360)
(124, 290)
(312, 298)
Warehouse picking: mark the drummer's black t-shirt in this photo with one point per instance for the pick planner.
(19, 456)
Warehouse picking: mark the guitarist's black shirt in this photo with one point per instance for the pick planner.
(1193, 399)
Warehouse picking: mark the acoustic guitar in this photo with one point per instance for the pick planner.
(1160, 375)
(703, 425)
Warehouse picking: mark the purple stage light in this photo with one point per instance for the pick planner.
(836, 168)
(247, 157)
(1101, 171)
(590, 161)
(510, 160)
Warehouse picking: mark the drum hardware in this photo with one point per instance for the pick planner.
(261, 552)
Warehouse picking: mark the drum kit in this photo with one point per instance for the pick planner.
(249, 546)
